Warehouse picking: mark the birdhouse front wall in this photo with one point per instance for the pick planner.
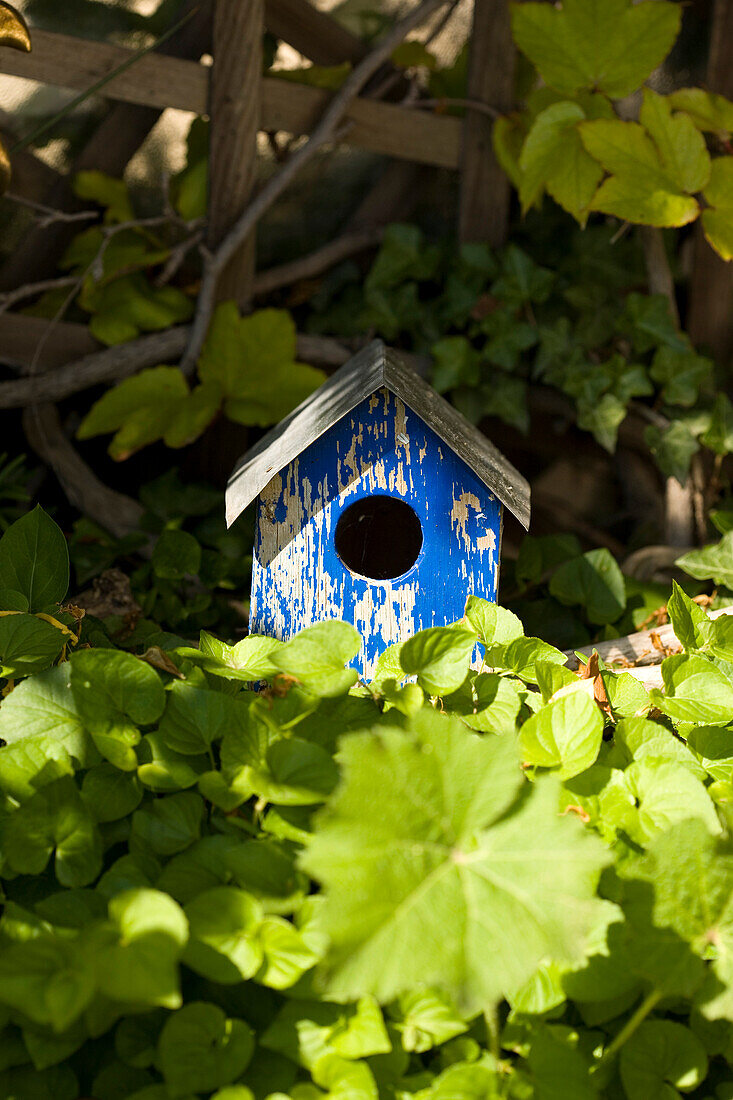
(379, 456)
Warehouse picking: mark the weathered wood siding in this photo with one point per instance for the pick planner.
(381, 447)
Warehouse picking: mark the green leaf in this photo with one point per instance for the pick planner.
(34, 561)
(713, 747)
(681, 374)
(28, 645)
(108, 192)
(110, 794)
(694, 691)
(486, 702)
(54, 821)
(641, 187)
(713, 562)
(554, 158)
(565, 734)
(249, 659)
(328, 77)
(195, 717)
(717, 218)
(594, 581)
(686, 617)
(403, 255)
(455, 363)
(494, 625)
(523, 656)
(288, 954)
(439, 849)
(160, 768)
(522, 280)
(176, 554)
(223, 944)
(660, 1057)
(169, 825)
(719, 436)
(305, 1031)
(252, 362)
(665, 793)
(558, 1066)
(153, 404)
(709, 112)
(140, 963)
(439, 657)
(673, 448)
(43, 708)
(317, 655)
(651, 323)
(200, 1049)
(425, 1018)
(602, 418)
(124, 307)
(114, 694)
(609, 45)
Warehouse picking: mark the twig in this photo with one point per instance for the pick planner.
(324, 132)
(315, 263)
(177, 256)
(451, 101)
(116, 512)
(642, 649)
(49, 215)
(12, 297)
(123, 360)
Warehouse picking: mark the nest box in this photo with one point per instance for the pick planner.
(378, 503)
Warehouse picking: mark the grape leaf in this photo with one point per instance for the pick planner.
(717, 218)
(554, 158)
(606, 45)
(418, 838)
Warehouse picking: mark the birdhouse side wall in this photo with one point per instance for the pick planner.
(380, 448)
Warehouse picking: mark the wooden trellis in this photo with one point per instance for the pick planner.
(240, 101)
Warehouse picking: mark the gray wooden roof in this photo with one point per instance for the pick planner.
(371, 369)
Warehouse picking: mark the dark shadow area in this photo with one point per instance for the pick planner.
(379, 537)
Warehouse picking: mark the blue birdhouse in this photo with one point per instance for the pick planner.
(378, 503)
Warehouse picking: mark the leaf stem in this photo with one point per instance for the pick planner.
(629, 1028)
(491, 1020)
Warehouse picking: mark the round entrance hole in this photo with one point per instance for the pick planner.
(379, 537)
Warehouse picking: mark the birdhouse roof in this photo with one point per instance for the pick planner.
(374, 368)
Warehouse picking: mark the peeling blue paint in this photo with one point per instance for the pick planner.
(381, 447)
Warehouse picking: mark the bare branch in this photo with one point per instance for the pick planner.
(324, 132)
(116, 512)
(31, 290)
(48, 215)
(315, 263)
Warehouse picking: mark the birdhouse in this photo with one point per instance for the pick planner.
(378, 503)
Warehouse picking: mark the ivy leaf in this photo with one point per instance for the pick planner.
(609, 45)
(441, 845)
(673, 448)
(34, 561)
(154, 404)
(662, 1054)
(713, 562)
(594, 581)
(403, 255)
(717, 218)
(439, 657)
(554, 158)
(455, 363)
(680, 374)
(251, 360)
(602, 418)
(719, 436)
(651, 323)
(522, 280)
(565, 734)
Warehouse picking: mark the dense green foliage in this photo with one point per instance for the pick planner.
(444, 883)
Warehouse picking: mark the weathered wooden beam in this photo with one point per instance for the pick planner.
(313, 33)
(236, 84)
(160, 82)
(485, 190)
(710, 313)
(646, 647)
